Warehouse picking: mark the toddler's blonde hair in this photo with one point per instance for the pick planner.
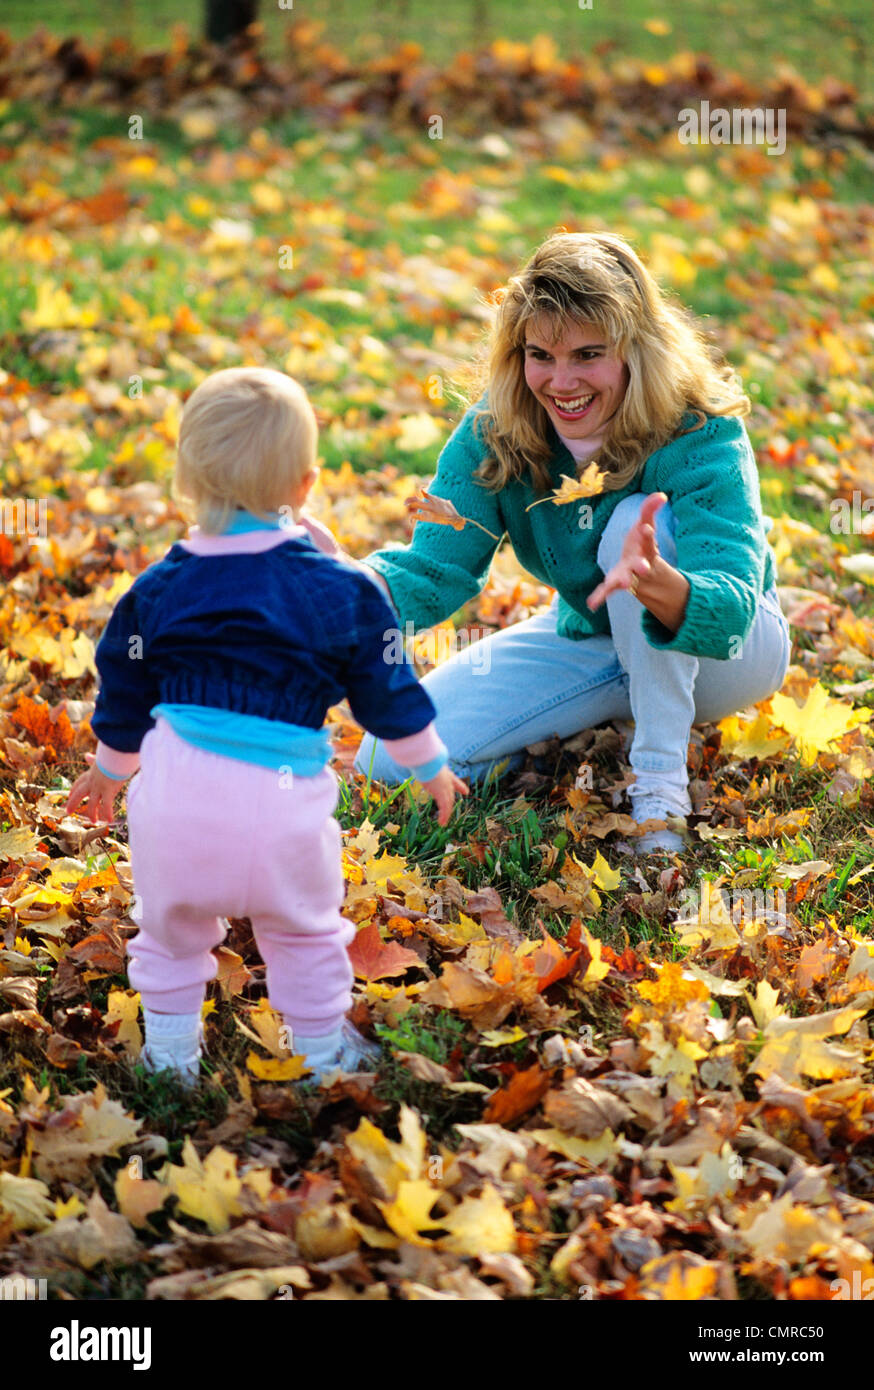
(248, 436)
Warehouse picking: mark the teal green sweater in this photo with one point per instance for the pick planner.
(711, 480)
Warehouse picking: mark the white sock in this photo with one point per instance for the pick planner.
(319, 1051)
(164, 1029)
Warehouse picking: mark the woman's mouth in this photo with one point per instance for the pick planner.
(572, 407)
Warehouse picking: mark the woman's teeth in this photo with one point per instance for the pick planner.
(573, 407)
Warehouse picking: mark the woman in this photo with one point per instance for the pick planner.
(666, 610)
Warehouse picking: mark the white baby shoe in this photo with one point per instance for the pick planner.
(343, 1050)
(173, 1041)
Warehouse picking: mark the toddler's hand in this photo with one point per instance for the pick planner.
(443, 788)
(98, 790)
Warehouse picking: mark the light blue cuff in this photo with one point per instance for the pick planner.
(426, 771)
(116, 776)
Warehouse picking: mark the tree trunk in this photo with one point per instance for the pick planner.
(227, 18)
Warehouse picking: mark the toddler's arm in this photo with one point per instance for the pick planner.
(121, 715)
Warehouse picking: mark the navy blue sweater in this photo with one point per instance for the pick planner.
(283, 635)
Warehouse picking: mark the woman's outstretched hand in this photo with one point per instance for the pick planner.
(639, 553)
(443, 788)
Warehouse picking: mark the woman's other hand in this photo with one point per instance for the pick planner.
(639, 553)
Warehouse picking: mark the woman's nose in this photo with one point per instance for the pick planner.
(566, 378)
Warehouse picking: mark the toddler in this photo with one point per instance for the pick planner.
(217, 668)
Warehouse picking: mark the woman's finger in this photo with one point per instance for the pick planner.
(654, 502)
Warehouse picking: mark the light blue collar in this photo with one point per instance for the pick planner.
(247, 521)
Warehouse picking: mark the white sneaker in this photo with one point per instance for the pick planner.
(654, 807)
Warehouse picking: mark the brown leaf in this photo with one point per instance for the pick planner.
(61, 1051)
(100, 1236)
(102, 950)
(233, 975)
(423, 1068)
(487, 906)
(471, 993)
(586, 1110)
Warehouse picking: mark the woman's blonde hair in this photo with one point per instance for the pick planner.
(596, 279)
(248, 436)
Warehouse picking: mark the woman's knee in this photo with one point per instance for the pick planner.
(624, 516)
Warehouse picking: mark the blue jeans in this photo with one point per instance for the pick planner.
(531, 684)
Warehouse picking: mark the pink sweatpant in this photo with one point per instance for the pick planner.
(212, 836)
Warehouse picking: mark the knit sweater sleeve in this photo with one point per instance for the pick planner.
(128, 690)
(442, 569)
(713, 489)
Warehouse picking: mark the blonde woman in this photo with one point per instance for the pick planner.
(666, 610)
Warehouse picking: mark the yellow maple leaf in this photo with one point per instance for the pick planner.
(677, 1062)
(671, 990)
(269, 1029)
(597, 968)
(818, 722)
(605, 877)
(590, 483)
(390, 1163)
(796, 1047)
(595, 1153)
(715, 1175)
(712, 923)
(27, 1201)
(276, 1068)
(765, 1007)
(682, 1283)
(409, 1213)
(479, 1225)
(124, 1005)
(751, 738)
(380, 867)
(207, 1189)
(502, 1037)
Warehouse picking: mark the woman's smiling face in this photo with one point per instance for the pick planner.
(578, 382)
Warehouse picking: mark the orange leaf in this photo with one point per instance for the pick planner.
(550, 963)
(424, 507)
(374, 959)
(524, 1091)
(46, 726)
